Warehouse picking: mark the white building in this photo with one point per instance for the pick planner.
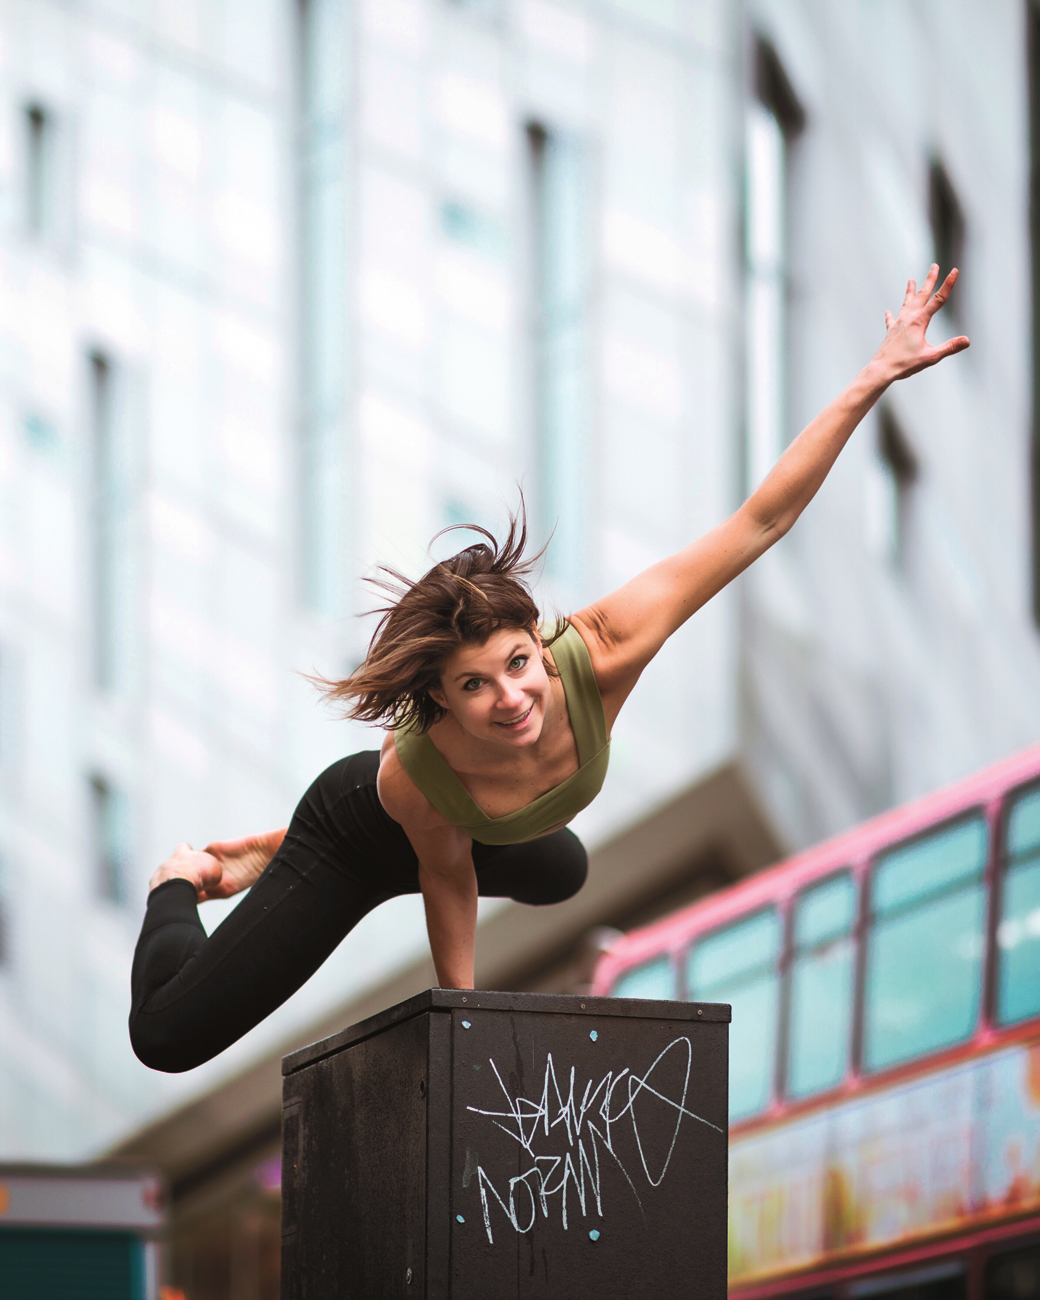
(288, 285)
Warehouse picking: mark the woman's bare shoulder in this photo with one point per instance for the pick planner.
(400, 796)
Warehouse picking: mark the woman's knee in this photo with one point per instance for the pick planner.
(558, 874)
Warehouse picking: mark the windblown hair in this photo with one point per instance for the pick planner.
(460, 601)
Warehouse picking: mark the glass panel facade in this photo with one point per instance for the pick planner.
(561, 264)
(740, 965)
(1018, 930)
(111, 514)
(323, 220)
(821, 987)
(656, 979)
(926, 945)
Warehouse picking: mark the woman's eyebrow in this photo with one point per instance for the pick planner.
(520, 648)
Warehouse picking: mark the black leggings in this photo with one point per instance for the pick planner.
(342, 855)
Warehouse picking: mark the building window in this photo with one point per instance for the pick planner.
(890, 497)
(740, 965)
(654, 979)
(110, 517)
(774, 121)
(111, 840)
(822, 982)
(926, 945)
(323, 343)
(42, 208)
(560, 299)
(1018, 930)
(946, 218)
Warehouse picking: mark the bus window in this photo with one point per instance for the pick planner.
(821, 986)
(924, 959)
(739, 965)
(654, 979)
(1013, 1275)
(1018, 933)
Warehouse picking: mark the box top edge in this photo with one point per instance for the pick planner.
(485, 1000)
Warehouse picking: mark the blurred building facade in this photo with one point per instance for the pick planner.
(288, 285)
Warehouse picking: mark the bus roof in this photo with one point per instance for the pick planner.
(787, 877)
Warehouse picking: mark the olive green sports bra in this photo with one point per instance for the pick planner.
(428, 768)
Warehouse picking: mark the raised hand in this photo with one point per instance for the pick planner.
(223, 868)
(906, 349)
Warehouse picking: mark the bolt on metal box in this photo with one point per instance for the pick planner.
(479, 1146)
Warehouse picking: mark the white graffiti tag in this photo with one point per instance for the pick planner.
(586, 1128)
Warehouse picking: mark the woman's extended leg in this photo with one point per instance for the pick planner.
(193, 996)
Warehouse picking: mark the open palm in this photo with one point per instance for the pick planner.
(906, 349)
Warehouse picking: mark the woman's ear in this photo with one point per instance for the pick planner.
(437, 695)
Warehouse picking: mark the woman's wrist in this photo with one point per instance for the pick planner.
(875, 377)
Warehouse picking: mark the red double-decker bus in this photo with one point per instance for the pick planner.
(884, 1050)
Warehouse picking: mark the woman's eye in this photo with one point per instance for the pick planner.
(472, 684)
(518, 663)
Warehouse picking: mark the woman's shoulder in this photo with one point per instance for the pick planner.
(400, 796)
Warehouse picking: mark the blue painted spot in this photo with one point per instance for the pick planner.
(461, 1219)
(465, 1024)
(594, 1235)
(593, 1035)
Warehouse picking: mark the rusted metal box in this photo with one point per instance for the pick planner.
(485, 1146)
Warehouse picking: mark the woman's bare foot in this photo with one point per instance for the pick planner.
(223, 868)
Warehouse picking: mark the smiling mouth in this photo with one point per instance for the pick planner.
(515, 722)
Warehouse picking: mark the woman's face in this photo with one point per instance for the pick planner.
(498, 691)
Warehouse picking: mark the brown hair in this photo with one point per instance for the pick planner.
(460, 601)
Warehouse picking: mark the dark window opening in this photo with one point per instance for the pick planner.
(1014, 1275)
(901, 463)
(560, 285)
(946, 217)
(946, 1281)
(40, 214)
(774, 89)
(111, 814)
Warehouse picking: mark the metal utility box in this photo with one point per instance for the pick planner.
(480, 1146)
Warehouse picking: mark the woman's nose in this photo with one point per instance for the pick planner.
(509, 695)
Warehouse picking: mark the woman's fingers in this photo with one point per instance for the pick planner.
(942, 294)
(930, 280)
(951, 346)
(890, 320)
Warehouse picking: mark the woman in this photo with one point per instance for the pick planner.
(498, 738)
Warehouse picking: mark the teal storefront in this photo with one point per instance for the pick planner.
(79, 1234)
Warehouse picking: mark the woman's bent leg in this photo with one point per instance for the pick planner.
(194, 996)
(546, 870)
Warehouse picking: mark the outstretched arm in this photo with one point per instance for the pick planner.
(627, 628)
